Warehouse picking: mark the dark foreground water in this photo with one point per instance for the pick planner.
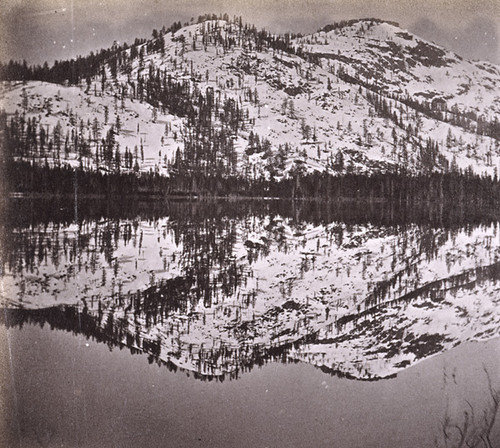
(250, 324)
(77, 393)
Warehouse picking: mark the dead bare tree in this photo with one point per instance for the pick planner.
(473, 430)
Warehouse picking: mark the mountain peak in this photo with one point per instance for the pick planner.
(360, 96)
(356, 22)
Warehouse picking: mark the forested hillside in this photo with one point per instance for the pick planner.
(217, 106)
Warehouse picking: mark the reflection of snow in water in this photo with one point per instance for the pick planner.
(216, 296)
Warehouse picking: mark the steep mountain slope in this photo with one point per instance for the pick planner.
(218, 96)
(399, 63)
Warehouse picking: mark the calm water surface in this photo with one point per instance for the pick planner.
(248, 323)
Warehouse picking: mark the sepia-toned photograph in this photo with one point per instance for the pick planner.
(256, 224)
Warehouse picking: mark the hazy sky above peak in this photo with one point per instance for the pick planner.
(39, 30)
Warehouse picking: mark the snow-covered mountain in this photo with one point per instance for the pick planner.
(359, 96)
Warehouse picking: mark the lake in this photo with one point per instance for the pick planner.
(249, 323)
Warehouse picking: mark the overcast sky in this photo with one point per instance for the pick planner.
(39, 30)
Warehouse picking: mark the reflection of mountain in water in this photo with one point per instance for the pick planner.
(218, 291)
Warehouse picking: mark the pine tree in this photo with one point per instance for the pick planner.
(118, 124)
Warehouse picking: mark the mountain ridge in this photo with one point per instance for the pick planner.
(218, 96)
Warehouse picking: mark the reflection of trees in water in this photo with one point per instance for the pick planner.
(409, 287)
(218, 362)
(392, 336)
(207, 291)
(160, 319)
(115, 333)
(207, 258)
(27, 248)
